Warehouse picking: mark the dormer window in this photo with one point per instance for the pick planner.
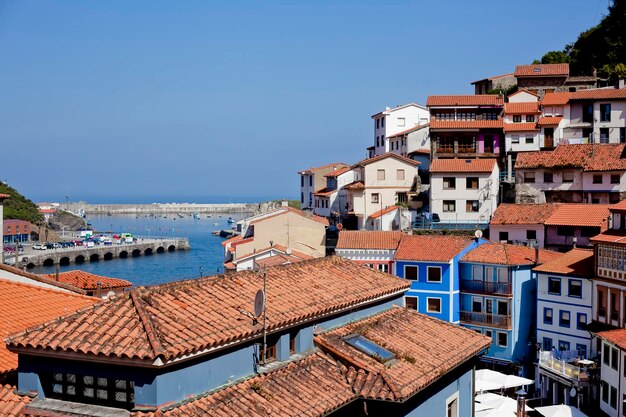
(90, 389)
(369, 348)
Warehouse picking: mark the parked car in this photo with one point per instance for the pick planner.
(49, 245)
(39, 246)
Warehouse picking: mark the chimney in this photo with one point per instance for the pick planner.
(99, 289)
(536, 254)
(521, 403)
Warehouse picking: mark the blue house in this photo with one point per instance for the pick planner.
(333, 339)
(431, 264)
(498, 299)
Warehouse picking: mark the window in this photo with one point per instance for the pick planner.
(622, 135)
(292, 343)
(597, 178)
(531, 235)
(588, 113)
(383, 267)
(503, 236)
(589, 231)
(503, 308)
(380, 174)
(433, 274)
(565, 231)
(615, 179)
(605, 392)
(530, 118)
(449, 206)
(375, 198)
(547, 343)
(400, 174)
(302, 197)
(377, 123)
(471, 183)
(411, 303)
(433, 305)
(575, 288)
(614, 356)
(529, 177)
(581, 321)
(564, 318)
(503, 339)
(477, 305)
(605, 112)
(530, 140)
(548, 177)
(613, 403)
(410, 272)
(563, 345)
(604, 135)
(547, 315)
(401, 121)
(301, 180)
(581, 350)
(382, 122)
(488, 333)
(402, 197)
(310, 180)
(568, 176)
(471, 206)
(517, 118)
(554, 286)
(453, 408)
(449, 183)
(270, 352)
(369, 347)
(93, 390)
(377, 140)
(605, 354)
(515, 139)
(477, 273)
(489, 306)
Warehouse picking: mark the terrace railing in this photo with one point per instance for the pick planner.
(495, 320)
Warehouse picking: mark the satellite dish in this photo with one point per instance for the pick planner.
(259, 303)
(478, 234)
(572, 392)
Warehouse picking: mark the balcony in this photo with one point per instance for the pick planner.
(485, 287)
(445, 149)
(572, 373)
(486, 319)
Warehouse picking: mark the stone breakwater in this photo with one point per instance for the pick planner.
(159, 208)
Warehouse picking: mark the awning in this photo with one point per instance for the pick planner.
(561, 410)
(488, 380)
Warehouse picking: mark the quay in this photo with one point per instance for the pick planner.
(160, 208)
(78, 255)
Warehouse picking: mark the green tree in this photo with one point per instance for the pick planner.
(18, 206)
(555, 57)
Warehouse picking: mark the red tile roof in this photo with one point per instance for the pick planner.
(368, 239)
(279, 259)
(313, 169)
(469, 100)
(171, 320)
(589, 157)
(610, 236)
(24, 305)
(411, 130)
(549, 121)
(542, 70)
(599, 94)
(493, 78)
(555, 99)
(382, 212)
(576, 262)
(437, 248)
(2, 196)
(520, 127)
(591, 215)
(466, 124)
(506, 254)
(41, 279)
(10, 402)
(616, 337)
(325, 192)
(355, 185)
(338, 172)
(88, 281)
(422, 356)
(232, 240)
(276, 248)
(482, 165)
(385, 156)
(522, 108)
(619, 206)
(522, 213)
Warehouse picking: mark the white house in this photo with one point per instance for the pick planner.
(599, 114)
(331, 201)
(521, 132)
(464, 190)
(312, 180)
(613, 372)
(521, 223)
(392, 121)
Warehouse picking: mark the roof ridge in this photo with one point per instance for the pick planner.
(147, 324)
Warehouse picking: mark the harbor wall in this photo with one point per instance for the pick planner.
(159, 208)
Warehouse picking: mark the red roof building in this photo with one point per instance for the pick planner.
(375, 249)
(94, 285)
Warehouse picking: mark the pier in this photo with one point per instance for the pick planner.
(160, 208)
(78, 255)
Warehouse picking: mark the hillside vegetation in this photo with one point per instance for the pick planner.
(18, 206)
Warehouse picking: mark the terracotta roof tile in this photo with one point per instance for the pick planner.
(483, 165)
(355, 185)
(382, 212)
(24, 305)
(522, 108)
(520, 127)
(580, 215)
(549, 121)
(616, 337)
(325, 192)
(599, 94)
(506, 254)
(422, 357)
(338, 172)
(384, 156)
(555, 99)
(368, 239)
(437, 248)
(313, 169)
(411, 130)
(468, 100)
(522, 213)
(169, 331)
(41, 278)
(610, 236)
(576, 262)
(10, 402)
(232, 240)
(542, 70)
(619, 206)
(87, 281)
(589, 157)
(466, 124)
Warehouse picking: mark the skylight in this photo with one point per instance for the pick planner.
(370, 348)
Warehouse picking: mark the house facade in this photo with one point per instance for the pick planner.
(332, 200)
(392, 121)
(193, 350)
(431, 264)
(312, 180)
(374, 249)
(14, 230)
(542, 78)
(464, 190)
(497, 299)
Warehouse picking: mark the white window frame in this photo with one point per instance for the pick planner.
(417, 272)
(417, 301)
(477, 276)
(428, 305)
(498, 339)
(450, 400)
(428, 268)
(488, 333)
(401, 121)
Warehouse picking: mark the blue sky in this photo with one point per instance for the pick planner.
(192, 99)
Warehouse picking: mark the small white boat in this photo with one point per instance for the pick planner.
(215, 223)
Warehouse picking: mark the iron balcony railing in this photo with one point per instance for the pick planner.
(495, 320)
(485, 287)
(560, 367)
